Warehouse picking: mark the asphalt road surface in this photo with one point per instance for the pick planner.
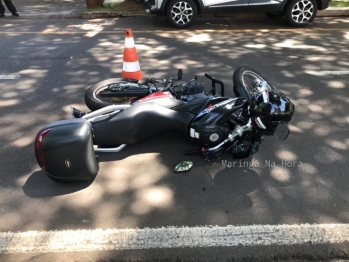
(298, 186)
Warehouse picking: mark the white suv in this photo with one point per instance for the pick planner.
(182, 13)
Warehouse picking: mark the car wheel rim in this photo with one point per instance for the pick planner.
(182, 13)
(302, 11)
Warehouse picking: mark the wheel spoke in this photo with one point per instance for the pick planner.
(181, 21)
(187, 17)
(187, 8)
(308, 13)
(297, 9)
(174, 15)
(302, 18)
(308, 6)
(251, 81)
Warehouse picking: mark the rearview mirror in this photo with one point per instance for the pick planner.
(183, 166)
(282, 131)
(180, 74)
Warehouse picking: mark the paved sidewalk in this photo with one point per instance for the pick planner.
(74, 9)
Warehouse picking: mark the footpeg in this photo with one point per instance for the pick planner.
(76, 113)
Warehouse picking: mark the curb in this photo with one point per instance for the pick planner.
(108, 14)
(334, 11)
(329, 12)
(72, 14)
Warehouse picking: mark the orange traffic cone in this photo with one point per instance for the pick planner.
(131, 67)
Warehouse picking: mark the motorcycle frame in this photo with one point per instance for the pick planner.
(112, 109)
(115, 109)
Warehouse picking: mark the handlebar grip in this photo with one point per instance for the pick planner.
(208, 76)
(214, 82)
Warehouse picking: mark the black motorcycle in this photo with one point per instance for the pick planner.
(66, 150)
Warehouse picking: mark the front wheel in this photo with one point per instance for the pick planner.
(300, 13)
(181, 13)
(93, 99)
(247, 81)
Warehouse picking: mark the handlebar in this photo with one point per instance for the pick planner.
(168, 83)
(214, 82)
(155, 81)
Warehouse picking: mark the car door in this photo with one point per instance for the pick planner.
(224, 3)
(274, 4)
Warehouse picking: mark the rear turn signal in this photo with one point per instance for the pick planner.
(41, 159)
(40, 154)
(40, 137)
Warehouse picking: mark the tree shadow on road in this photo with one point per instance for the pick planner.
(235, 187)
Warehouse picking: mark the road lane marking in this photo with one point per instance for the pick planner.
(323, 73)
(5, 77)
(171, 237)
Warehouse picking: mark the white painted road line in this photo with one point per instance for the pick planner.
(9, 77)
(171, 237)
(323, 73)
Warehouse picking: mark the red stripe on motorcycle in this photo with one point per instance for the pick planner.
(157, 95)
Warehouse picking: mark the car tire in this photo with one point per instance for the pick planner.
(275, 14)
(300, 13)
(181, 13)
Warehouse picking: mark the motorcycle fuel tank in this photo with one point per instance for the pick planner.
(211, 125)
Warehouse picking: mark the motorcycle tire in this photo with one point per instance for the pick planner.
(243, 79)
(94, 102)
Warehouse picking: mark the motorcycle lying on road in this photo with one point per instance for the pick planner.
(66, 150)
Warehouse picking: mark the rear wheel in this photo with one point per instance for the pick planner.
(94, 101)
(300, 13)
(246, 82)
(181, 13)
